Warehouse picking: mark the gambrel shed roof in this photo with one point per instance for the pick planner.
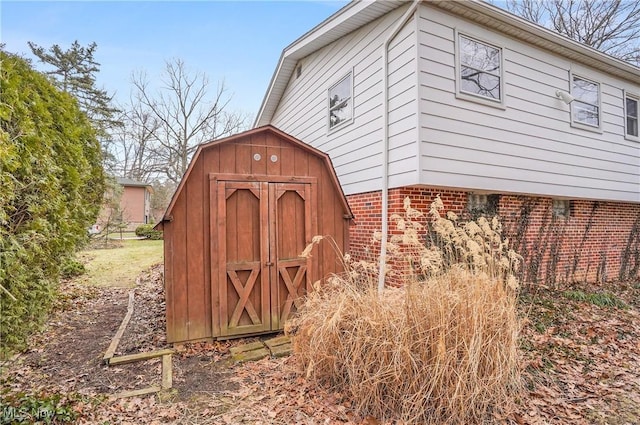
(267, 129)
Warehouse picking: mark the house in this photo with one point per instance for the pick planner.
(133, 207)
(135, 202)
(244, 211)
(495, 114)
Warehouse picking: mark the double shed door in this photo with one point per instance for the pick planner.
(262, 229)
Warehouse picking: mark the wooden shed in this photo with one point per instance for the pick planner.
(245, 209)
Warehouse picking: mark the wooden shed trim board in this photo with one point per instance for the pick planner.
(167, 215)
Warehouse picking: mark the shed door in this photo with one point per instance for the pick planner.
(262, 228)
(290, 232)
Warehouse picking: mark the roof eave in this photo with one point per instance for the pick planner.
(340, 23)
(495, 17)
(475, 10)
(260, 118)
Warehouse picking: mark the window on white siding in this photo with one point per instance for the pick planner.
(585, 109)
(340, 102)
(480, 69)
(632, 116)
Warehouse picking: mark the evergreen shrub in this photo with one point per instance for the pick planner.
(72, 268)
(51, 186)
(146, 231)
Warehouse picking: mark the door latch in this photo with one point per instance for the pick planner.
(268, 263)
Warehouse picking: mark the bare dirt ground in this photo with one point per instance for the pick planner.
(581, 365)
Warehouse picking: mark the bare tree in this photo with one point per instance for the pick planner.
(611, 26)
(180, 116)
(162, 192)
(134, 145)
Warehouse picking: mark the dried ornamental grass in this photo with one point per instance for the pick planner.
(447, 242)
(442, 349)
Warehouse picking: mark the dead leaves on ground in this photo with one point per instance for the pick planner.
(585, 367)
(274, 392)
(581, 365)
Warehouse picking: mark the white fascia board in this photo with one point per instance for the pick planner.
(269, 102)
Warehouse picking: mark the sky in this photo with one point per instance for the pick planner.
(238, 42)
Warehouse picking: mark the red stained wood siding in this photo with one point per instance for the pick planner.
(246, 204)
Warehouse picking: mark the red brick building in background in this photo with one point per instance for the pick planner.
(135, 202)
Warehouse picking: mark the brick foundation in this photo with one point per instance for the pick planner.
(598, 242)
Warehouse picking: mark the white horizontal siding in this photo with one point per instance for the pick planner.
(538, 132)
(403, 107)
(529, 146)
(356, 149)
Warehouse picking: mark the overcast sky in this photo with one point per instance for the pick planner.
(239, 42)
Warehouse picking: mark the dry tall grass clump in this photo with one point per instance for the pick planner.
(440, 350)
(448, 242)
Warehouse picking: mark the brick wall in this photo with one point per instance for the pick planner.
(596, 242)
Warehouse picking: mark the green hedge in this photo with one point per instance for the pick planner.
(146, 231)
(51, 186)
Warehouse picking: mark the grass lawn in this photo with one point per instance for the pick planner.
(120, 266)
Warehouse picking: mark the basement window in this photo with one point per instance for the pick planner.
(341, 102)
(561, 208)
(631, 117)
(482, 205)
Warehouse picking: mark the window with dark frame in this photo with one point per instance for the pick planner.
(480, 70)
(585, 109)
(340, 102)
(631, 116)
